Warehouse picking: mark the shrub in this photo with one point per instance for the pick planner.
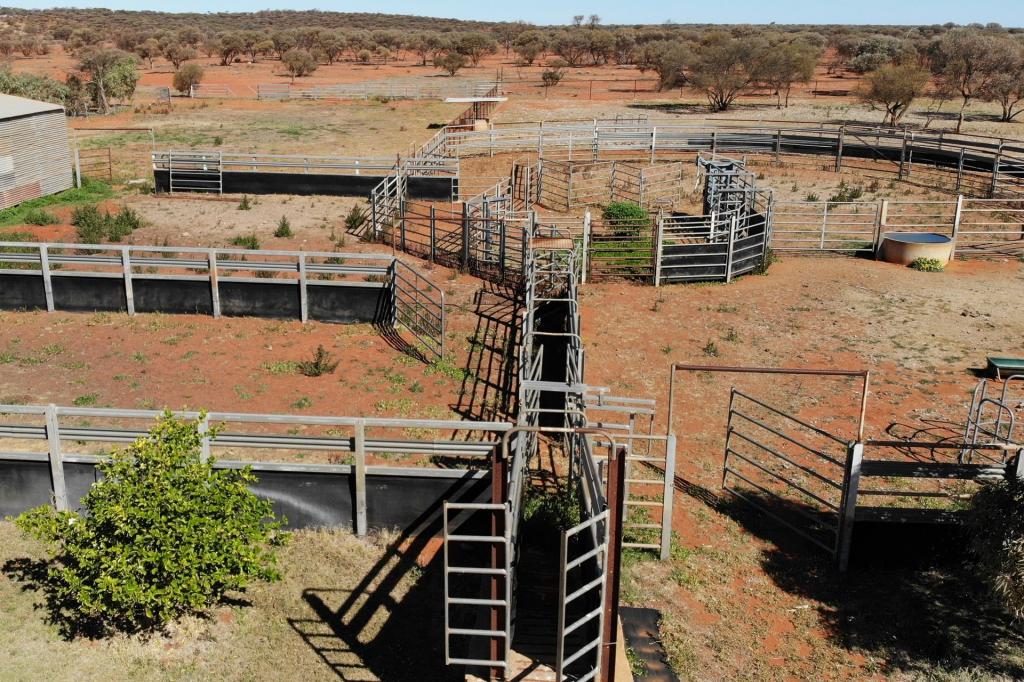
(90, 224)
(244, 204)
(451, 62)
(186, 77)
(298, 63)
(249, 241)
(710, 349)
(123, 223)
(996, 525)
(846, 193)
(812, 197)
(927, 265)
(767, 260)
(553, 76)
(356, 218)
(162, 534)
(40, 216)
(284, 228)
(322, 363)
(626, 218)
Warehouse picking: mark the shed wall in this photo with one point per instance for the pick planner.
(35, 157)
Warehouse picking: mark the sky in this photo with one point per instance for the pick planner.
(1010, 13)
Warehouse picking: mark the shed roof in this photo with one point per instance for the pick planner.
(17, 107)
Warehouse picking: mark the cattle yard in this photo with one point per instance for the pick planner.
(750, 412)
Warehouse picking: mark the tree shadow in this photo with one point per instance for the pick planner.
(911, 598)
(409, 642)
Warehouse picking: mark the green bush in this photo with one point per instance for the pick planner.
(162, 534)
(90, 224)
(996, 529)
(927, 265)
(626, 218)
(40, 216)
(91, 191)
(356, 218)
(244, 204)
(93, 225)
(249, 241)
(284, 229)
(322, 363)
(846, 193)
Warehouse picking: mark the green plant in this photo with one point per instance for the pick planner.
(710, 349)
(244, 204)
(927, 265)
(996, 531)
(40, 216)
(846, 193)
(249, 241)
(91, 191)
(812, 197)
(322, 363)
(356, 218)
(284, 229)
(162, 534)
(123, 223)
(90, 224)
(86, 400)
(626, 218)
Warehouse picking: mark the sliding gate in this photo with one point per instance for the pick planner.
(786, 468)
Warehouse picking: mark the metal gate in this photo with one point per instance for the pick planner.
(195, 172)
(583, 566)
(786, 468)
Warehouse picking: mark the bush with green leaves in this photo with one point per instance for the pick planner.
(626, 218)
(927, 265)
(356, 218)
(249, 241)
(40, 216)
(284, 228)
(160, 535)
(93, 225)
(322, 363)
(996, 527)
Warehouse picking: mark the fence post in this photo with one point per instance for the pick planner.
(839, 148)
(996, 163)
(778, 146)
(824, 226)
(359, 452)
(586, 246)
(659, 237)
(848, 505)
(903, 157)
(60, 491)
(211, 259)
(126, 267)
(616, 508)
(960, 169)
(204, 432)
(303, 294)
(667, 495)
(465, 237)
(654, 142)
(433, 232)
(78, 169)
(44, 264)
(568, 191)
(957, 218)
(714, 143)
(729, 251)
(883, 218)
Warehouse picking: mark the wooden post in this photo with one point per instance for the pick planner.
(211, 258)
(126, 267)
(848, 504)
(359, 456)
(883, 218)
(60, 491)
(613, 559)
(44, 264)
(839, 148)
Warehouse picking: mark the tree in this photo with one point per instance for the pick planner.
(451, 62)
(148, 50)
(229, 46)
(298, 63)
(283, 41)
(894, 88)
(332, 45)
(724, 67)
(111, 73)
(178, 53)
(529, 45)
(507, 33)
(593, 21)
(996, 531)
(967, 62)
(577, 20)
(187, 77)
(786, 64)
(1007, 88)
(601, 46)
(571, 46)
(163, 534)
(553, 75)
(669, 60)
(475, 46)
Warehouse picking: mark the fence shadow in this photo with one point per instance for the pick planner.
(910, 599)
(489, 384)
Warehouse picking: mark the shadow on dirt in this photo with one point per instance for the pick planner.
(910, 598)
